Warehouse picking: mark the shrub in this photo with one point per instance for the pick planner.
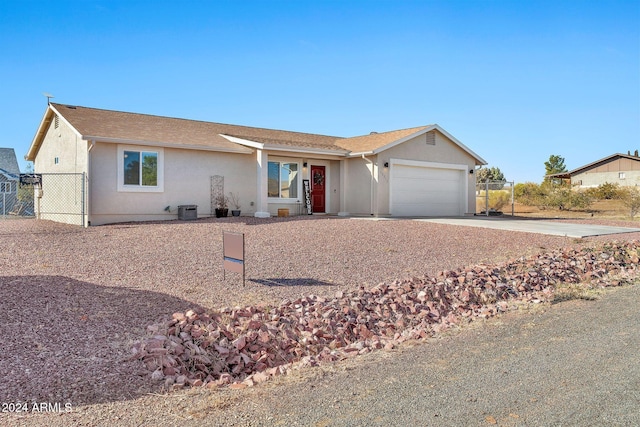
(631, 200)
(529, 193)
(606, 191)
(499, 199)
(549, 195)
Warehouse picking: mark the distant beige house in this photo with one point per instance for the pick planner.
(9, 179)
(621, 169)
(142, 167)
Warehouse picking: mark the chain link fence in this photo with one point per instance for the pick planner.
(57, 197)
(15, 200)
(494, 198)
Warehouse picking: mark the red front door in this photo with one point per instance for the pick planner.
(317, 189)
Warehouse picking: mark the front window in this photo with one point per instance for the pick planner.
(140, 170)
(5, 187)
(283, 180)
(143, 173)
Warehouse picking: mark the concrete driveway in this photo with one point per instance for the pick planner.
(553, 228)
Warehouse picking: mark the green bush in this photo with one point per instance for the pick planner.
(631, 199)
(606, 191)
(549, 195)
(529, 193)
(499, 199)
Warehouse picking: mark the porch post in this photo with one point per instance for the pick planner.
(343, 188)
(262, 208)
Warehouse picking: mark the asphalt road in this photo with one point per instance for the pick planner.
(575, 363)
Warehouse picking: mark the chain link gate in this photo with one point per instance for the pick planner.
(492, 197)
(59, 197)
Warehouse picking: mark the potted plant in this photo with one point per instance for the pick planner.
(222, 209)
(235, 202)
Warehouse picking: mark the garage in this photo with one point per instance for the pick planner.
(427, 189)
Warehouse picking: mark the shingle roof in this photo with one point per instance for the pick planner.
(8, 161)
(107, 124)
(123, 127)
(376, 140)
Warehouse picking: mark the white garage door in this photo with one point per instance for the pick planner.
(426, 191)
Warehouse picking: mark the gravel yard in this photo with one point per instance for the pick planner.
(75, 300)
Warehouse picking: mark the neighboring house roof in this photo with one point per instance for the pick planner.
(8, 161)
(121, 127)
(9, 176)
(595, 164)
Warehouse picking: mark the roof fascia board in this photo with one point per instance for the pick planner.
(248, 143)
(240, 150)
(9, 175)
(360, 154)
(597, 162)
(39, 136)
(317, 151)
(273, 147)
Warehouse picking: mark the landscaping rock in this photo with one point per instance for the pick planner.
(244, 346)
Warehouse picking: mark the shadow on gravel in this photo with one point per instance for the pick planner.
(291, 282)
(69, 341)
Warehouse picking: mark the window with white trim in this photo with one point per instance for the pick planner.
(283, 179)
(621, 175)
(5, 187)
(140, 169)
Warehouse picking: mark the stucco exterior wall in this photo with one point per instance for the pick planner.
(64, 144)
(623, 171)
(187, 181)
(61, 198)
(358, 186)
(594, 179)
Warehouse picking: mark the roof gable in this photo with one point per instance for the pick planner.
(595, 164)
(8, 161)
(375, 143)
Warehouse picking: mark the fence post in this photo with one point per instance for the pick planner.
(82, 198)
(486, 196)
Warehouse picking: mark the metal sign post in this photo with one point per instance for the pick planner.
(233, 254)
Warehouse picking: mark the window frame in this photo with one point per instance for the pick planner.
(4, 186)
(140, 188)
(299, 177)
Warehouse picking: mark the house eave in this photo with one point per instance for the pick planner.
(285, 148)
(239, 150)
(303, 150)
(361, 153)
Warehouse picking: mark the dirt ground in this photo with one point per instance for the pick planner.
(104, 285)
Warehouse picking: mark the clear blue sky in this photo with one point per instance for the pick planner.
(515, 81)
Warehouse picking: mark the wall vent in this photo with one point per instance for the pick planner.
(431, 138)
(56, 122)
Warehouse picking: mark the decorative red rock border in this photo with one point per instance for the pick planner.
(244, 346)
